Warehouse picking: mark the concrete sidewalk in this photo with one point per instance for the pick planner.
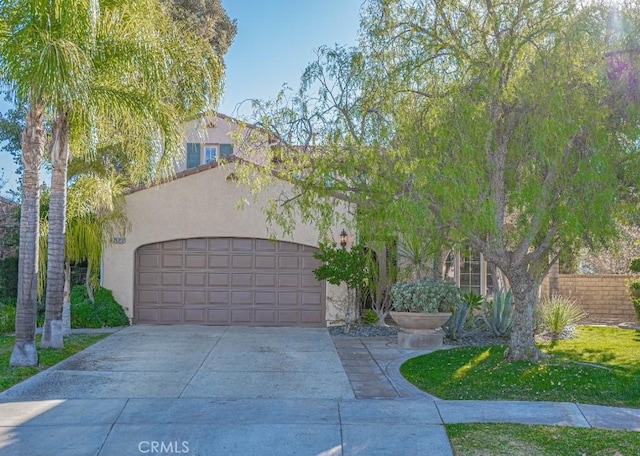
(249, 391)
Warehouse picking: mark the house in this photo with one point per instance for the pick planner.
(193, 257)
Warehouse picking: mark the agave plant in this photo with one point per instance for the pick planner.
(498, 313)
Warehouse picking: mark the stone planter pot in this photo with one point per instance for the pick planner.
(413, 320)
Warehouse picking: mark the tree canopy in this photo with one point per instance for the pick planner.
(208, 19)
(499, 124)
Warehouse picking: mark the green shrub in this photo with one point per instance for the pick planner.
(636, 306)
(7, 317)
(634, 266)
(633, 289)
(9, 277)
(104, 312)
(369, 317)
(557, 313)
(498, 313)
(427, 295)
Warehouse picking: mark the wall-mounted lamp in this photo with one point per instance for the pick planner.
(343, 238)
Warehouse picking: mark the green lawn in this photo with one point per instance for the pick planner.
(601, 365)
(523, 440)
(73, 343)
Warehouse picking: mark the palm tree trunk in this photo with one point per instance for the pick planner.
(33, 141)
(66, 300)
(53, 330)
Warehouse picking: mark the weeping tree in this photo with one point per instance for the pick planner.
(518, 114)
(333, 144)
(498, 124)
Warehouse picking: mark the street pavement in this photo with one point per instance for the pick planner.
(202, 390)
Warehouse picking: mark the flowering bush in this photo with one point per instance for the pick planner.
(426, 295)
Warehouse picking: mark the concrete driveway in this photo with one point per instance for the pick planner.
(201, 390)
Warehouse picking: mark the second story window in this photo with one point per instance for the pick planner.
(210, 154)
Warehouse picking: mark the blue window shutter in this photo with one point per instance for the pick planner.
(193, 155)
(226, 150)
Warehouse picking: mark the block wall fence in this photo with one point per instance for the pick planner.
(603, 296)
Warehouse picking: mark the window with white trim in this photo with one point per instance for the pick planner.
(469, 270)
(210, 153)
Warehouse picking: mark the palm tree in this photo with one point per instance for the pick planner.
(95, 215)
(89, 64)
(23, 71)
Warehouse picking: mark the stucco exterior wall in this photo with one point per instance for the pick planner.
(217, 130)
(202, 204)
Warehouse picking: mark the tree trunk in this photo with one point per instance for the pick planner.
(525, 297)
(53, 329)
(33, 140)
(66, 301)
(380, 300)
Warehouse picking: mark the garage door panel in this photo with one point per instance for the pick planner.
(265, 262)
(242, 280)
(147, 315)
(309, 316)
(173, 245)
(219, 279)
(196, 244)
(264, 245)
(195, 279)
(265, 298)
(219, 244)
(149, 278)
(228, 281)
(288, 280)
(288, 262)
(287, 247)
(171, 315)
(148, 296)
(242, 316)
(149, 260)
(308, 281)
(219, 297)
(171, 278)
(265, 317)
(172, 261)
(219, 261)
(171, 297)
(287, 299)
(195, 314)
(242, 245)
(242, 262)
(310, 263)
(311, 299)
(239, 298)
(265, 280)
(194, 261)
(288, 316)
(218, 316)
(195, 297)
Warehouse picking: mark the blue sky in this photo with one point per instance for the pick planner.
(276, 40)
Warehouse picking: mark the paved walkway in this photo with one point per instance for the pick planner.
(249, 391)
(382, 358)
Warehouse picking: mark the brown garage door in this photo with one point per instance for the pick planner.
(228, 281)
